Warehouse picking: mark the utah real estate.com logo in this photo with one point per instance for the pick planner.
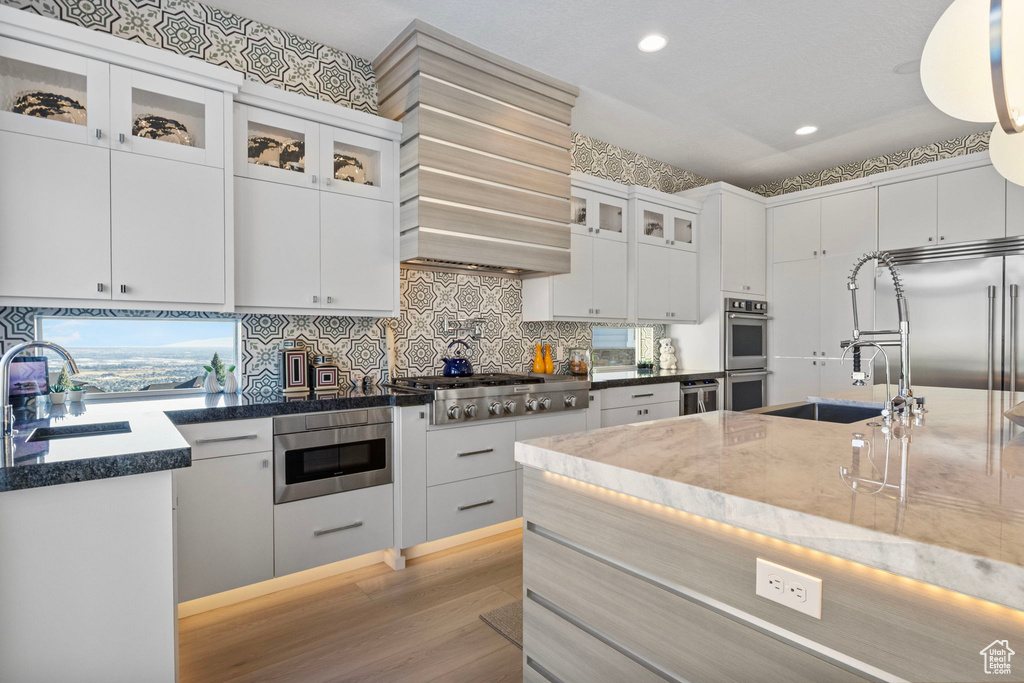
(997, 657)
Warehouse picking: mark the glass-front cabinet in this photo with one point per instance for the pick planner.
(356, 164)
(666, 226)
(598, 214)
(276, 147)
(53, 94)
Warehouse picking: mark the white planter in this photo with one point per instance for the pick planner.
(58, 399)
(230, 383)
(211, 384)
(76, 396)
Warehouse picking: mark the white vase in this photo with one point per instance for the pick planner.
(76, 396)
(57, 399)
(211, 384)
(230, 383)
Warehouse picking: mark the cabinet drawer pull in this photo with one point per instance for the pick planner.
(221, 439)
(480, 452)
(642, 395)
(475, 505)
(321, 532)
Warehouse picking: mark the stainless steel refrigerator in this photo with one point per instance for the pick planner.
(964, 309)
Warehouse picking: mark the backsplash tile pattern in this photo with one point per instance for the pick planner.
(968, 144)
(358, 344)
(261, 52)
(604, 160)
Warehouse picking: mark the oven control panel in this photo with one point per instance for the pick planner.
(746, 306)
(508, 404)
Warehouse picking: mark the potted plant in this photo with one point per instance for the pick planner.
(76, 393)
(58, 392)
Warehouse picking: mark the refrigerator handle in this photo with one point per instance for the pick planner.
(1013, 338)
(991, 334)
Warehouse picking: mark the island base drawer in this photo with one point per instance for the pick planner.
(472, 504)
(622, 397)
(317, 531)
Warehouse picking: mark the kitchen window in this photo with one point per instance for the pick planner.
(614, 347)
(146, 356)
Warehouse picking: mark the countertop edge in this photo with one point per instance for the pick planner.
(190, 416)
(90, 469)
(987, 579)
(597, 385)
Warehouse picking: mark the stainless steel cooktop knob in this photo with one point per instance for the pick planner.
(471, 410)
(510, 406)
(531, 404)
(545, 403)
(454, 412)
(495, 408)
(570, 401)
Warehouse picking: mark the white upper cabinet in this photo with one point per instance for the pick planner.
(358, 267)
(666, 285)
(357, 164)
(573, 292)
(848, 224)
(796, 321)
(611, 283)
(743, 245)
(972, 205)
(276, 147)
(595, 213)
(666, 226)
(908, 214)
(797, 231)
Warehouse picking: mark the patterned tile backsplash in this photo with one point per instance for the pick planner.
(358, 344)
(969, 144)
(261, 52)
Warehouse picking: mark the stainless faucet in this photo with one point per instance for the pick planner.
(904, 402)
(5, 389)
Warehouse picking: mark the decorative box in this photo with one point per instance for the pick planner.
(294, 367)
(324, 374)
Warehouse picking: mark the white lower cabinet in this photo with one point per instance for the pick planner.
(615, 417)
(316, 531)
(225, 520)
(462, 506)
(468, 452)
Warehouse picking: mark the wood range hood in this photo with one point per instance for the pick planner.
(485, 156)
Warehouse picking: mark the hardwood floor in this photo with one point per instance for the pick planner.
(372, 624)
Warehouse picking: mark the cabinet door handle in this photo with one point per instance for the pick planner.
(222, 439)
(480, 452)
(642, 395)
(822, 252)
(120, 138)
(314, 179)
(99, 286)
(330, 299)
(321, 532)
(646, 411)
(590, 230)
(931, 239)
(316, 299)
(597, 310)
(475, 505)
(124, 289)
(942, 238)
(597, 231)
(815, 252)
(673, 242)
(99, 133)
(266, 463)
(327, 181)
(590, 310)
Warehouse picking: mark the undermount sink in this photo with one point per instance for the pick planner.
(827, 412)
(78, 431)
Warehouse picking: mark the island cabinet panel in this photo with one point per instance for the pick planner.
(873, 624)
(664, 631)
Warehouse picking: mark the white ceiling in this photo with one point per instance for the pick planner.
(723, 99)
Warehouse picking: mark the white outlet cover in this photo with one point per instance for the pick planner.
(810, 605)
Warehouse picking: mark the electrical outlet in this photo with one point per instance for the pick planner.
(560, 352)
(788, 587)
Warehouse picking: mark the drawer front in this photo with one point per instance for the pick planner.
(551, 425)
(939, 634)
(467, 452)
(620, 397)
(645, 413)
(663, 629)
(232, 437)
(466, 505)
(571, 654)
(317, 531)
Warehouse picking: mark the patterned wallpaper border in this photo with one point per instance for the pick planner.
(604, 160)
(936, 151)
(260, 52)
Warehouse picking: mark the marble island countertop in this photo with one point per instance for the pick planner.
(951, 513)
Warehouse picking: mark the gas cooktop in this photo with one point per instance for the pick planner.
(495, 379)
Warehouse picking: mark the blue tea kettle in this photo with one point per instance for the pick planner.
(456, 364)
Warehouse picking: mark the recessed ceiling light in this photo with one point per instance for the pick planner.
(652, 43)
(806, 130)
(907, 68)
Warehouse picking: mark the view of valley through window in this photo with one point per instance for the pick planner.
(140, 354)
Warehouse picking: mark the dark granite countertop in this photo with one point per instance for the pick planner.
(151, 442)
(608, 379)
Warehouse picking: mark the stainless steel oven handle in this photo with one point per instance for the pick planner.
(222, 439)
(749, 316)
(475, 505)
(743, 373)
(642, 395)
(321, 532)
(480, 452)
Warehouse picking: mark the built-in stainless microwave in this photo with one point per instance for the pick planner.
(323, 453)
(746, 334)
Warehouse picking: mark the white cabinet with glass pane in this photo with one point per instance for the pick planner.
(665, 225)
(119, 168)
(315, 206)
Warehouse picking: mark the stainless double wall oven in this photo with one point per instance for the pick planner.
(323, 453)
(746, 354)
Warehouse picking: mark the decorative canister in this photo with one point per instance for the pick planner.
(579, 361)
(324, 374)
(294, 367)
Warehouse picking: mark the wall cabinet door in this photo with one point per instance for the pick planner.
(358, 265)
(792, 380)
(743, 245)
(356, 164)
(836, 308)
(573, 292)
(26, 69)
(756, 252)
(795, 331)
(654, 298)
(608, 216)
(972, 205)
(276, 147)
(277, 237)
(848, 223)
(683, 279)
(166, 118)
(908, 214)
(610, 278)
(225, 524)
(681, 230)
(167, 230)
(54, 197)
(797, 231)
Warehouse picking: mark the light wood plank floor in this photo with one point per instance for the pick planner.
(372, 624)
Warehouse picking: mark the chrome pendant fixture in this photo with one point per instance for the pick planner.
(972, 68)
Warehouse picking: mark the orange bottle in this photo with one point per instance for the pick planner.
(549, 364)
(538, 361)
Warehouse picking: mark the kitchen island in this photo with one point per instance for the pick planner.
(917, 535)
